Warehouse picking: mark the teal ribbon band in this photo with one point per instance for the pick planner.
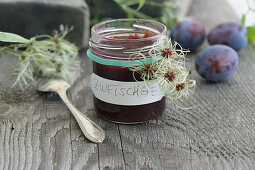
(122, 63)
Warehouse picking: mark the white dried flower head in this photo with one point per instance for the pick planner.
(146, 67)
(166, 63)
(168, 50)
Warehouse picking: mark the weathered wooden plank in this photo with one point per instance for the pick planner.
(38, 132)
(227, 108)
(47, 135)
(86, 155)
(35, 137)
(55, 137)
(34, 131)
(218, 134)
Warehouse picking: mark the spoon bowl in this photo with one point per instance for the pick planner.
(52, 85)
(89, 128)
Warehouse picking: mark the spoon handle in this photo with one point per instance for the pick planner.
(89, 128)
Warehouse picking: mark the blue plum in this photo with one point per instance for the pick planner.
(189, 33)
(216, 62)
(230, 33)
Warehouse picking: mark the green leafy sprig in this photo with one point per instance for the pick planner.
(250, 29)
(41, 56)
(169, 11)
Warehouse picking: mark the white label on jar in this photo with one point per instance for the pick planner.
(125, 93)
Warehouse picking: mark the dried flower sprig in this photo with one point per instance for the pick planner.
(166, 64)
(41, 56)
(146, 68)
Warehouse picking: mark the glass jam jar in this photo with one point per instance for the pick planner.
(120, 95)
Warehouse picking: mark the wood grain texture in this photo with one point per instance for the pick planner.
(38, 132)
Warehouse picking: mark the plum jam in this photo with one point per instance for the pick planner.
(119, 94)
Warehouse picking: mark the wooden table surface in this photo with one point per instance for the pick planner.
(37, 131)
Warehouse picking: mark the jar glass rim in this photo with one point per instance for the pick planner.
(111, 39)
(98, 34)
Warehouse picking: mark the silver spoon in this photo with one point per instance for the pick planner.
(89, 128)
